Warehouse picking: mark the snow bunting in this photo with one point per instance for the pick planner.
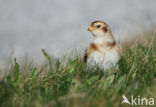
(104, 51)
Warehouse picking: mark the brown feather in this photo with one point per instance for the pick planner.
(111, 44)
(92, 47)
(105, 29)
(97, 47)
(85, 56)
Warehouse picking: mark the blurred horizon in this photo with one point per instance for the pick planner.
(27, 26)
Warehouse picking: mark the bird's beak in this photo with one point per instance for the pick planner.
(90, 28)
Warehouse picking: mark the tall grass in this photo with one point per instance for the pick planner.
(71, 83)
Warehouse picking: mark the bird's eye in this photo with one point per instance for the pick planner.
(98, 26)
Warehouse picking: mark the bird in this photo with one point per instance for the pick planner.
(103, 52)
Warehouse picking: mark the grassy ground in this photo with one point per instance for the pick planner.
(70, 83)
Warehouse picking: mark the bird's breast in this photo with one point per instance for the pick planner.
(104, 58)
(96, 56)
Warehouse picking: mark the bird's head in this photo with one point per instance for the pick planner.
(99, 28)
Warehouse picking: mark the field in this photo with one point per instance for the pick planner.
(68, 82)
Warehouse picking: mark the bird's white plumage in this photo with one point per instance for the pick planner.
(105, 53)
(105, 59)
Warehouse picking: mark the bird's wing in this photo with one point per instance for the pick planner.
(86, 55)
(119, 49)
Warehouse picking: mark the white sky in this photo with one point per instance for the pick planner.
(26, 26)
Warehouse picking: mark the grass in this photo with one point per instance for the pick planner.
(70, 83)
